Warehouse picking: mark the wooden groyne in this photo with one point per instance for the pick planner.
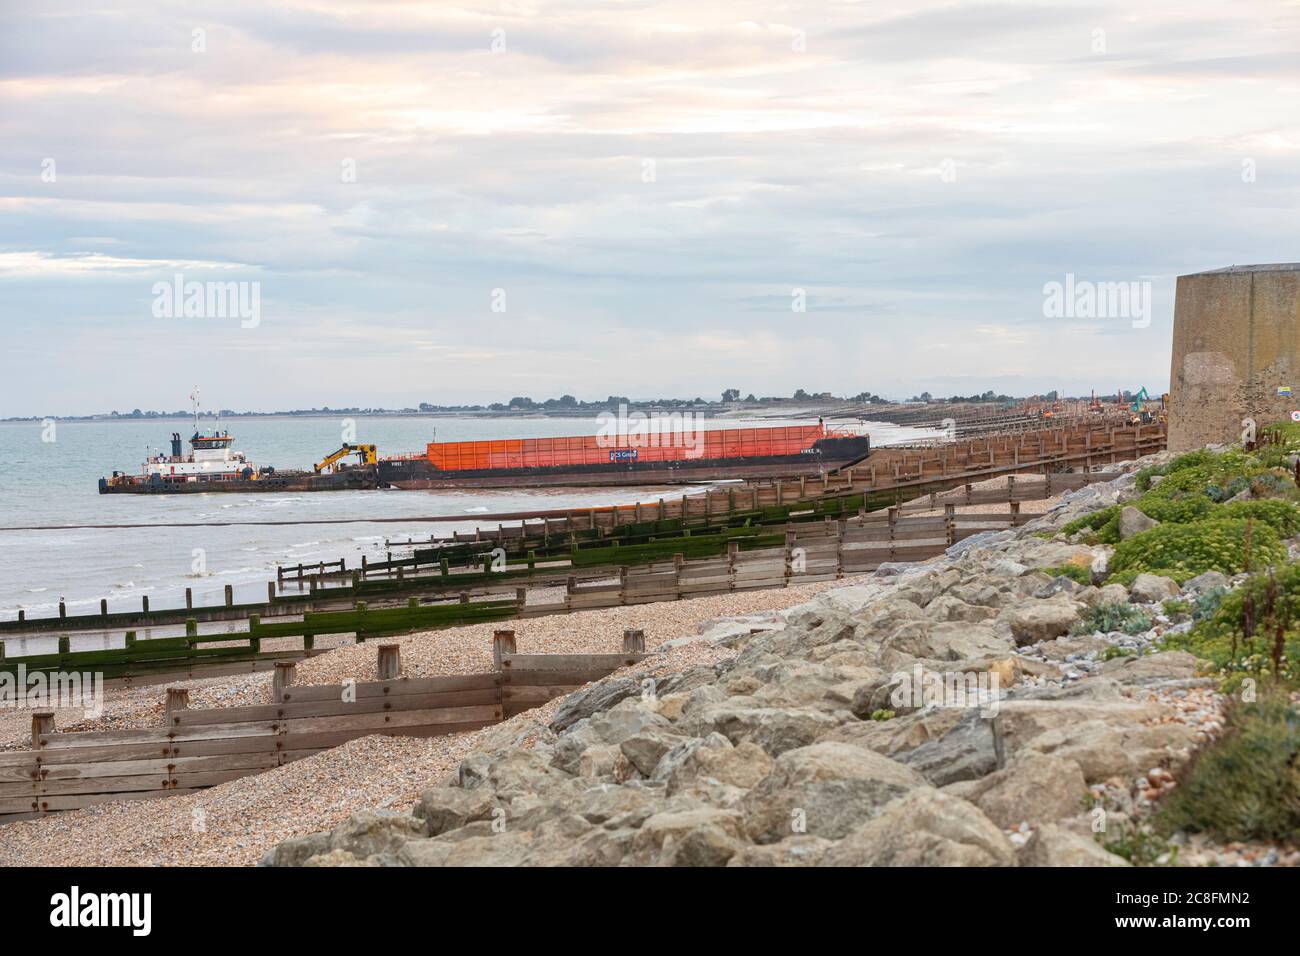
(822, 548)
(196, 749)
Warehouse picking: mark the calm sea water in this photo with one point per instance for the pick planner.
(55, 483)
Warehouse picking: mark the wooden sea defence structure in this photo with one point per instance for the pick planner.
(406, 595)
(195, 749)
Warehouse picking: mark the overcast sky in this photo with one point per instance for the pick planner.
(649, 183)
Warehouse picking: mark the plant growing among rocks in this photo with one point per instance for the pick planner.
(1253, 631)
(1113, 616)
(1227, 545)
(1247, 785)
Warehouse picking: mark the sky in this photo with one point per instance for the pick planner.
(460, 202)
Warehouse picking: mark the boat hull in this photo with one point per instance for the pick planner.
(350, 480)
(826, 455)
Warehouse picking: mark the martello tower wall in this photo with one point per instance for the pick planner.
(1236, 333)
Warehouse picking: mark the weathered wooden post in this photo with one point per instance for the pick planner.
(129, 640)
(191, 627)
(103, 607)
(189, 597)
(390, 661)
(503, 643)
(949, 524)
(360, 608)
(270, 592)
(633, 641)
(178, 699)
(65, 644)
(521, 598)
(230, 595)
(63, 609)
(464, 597)
(281, 677)
(42, 724)
(255, 642)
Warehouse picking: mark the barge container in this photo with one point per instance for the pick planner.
(655, 458)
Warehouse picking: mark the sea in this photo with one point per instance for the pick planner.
(49, 480)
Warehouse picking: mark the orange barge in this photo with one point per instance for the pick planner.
(669, 457)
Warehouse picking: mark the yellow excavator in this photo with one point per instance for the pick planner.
(367, 454)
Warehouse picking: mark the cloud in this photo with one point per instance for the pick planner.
(646, 180)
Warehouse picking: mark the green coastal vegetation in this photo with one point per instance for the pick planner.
(1231, 511)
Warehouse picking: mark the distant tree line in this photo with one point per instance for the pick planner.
(565, 403)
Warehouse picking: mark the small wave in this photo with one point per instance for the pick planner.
(482, 509)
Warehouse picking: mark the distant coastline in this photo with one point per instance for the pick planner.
(788, 409)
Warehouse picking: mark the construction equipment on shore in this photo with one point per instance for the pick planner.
(367, 454)
(1139, 414)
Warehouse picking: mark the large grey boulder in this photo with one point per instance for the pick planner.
(924, 828)
(297, 851)
(966, 752)
(826, 790)
(616, 806)
(704, 836)
(1053, 846)
(643, 750)
(775, 729)
(798, 850)
(592, 699)
(1033, 621)
(1153, 589)
(371, 832)
(1206, 582)
(449, 808)
(1033, 788)
(714, 760)
(1151, 668)
(949, 608)
(1132, 521)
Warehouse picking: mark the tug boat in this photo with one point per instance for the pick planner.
(212, 466)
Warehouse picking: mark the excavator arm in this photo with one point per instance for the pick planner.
(367, 454)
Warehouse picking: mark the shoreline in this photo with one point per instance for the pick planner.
(245, 817)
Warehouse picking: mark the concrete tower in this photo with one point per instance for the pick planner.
(1236, 336)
